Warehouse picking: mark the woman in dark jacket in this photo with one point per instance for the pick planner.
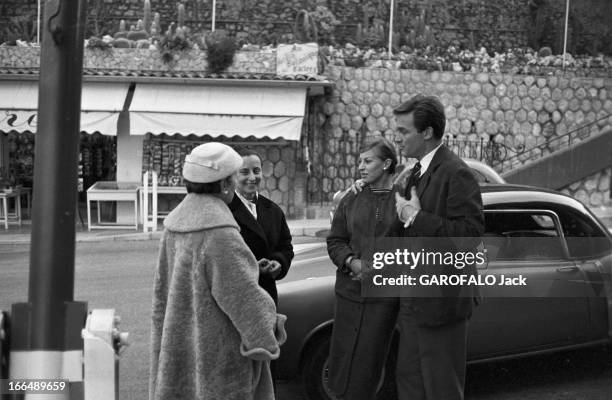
(363, 327)
(262, 224)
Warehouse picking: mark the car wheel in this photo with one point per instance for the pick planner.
(315, 373)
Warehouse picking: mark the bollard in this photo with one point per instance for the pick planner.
(103, 344)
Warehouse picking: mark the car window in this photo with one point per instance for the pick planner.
(517, 235)
(584, 237)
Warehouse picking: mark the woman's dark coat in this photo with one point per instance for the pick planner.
(267, 237)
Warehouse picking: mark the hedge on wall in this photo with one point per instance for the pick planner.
(494, 24)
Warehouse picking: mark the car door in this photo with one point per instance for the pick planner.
(591, 249)
(551, 310)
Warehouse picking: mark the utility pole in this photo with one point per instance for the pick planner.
(46, 331)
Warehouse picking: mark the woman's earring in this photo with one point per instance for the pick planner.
(225, 191)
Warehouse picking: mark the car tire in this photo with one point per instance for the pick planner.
(314, 373)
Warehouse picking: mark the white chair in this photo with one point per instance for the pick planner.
(149, 220)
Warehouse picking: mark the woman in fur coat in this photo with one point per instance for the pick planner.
(214, 328)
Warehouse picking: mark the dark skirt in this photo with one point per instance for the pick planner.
(360, 342)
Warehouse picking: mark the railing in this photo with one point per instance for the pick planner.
(489, 151)
(554, 144)
(503, 157)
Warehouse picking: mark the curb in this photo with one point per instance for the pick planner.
(312, 231)
(308, 231)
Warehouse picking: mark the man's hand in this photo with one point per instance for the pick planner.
(357, 186)
(407, 209)
(271, 268)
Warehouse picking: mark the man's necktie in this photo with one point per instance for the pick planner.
(413, 180)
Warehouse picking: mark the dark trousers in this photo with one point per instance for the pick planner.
(360, 343)
(431, 360)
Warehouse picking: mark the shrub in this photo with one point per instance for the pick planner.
(220, 50)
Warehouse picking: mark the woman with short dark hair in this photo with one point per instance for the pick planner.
(262, 223)
(363, 327)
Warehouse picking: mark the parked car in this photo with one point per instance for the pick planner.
(482, 172)
(572, 308)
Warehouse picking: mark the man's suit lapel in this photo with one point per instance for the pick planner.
(245, 218)
(438, 158)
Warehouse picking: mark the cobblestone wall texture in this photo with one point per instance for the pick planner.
(519, 111)
(145, 60)
(166, 156)
(593, 191)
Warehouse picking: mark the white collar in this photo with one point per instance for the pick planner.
(248, 204)
(427, 158)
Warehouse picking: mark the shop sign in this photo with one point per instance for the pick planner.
(297, 59)
(13, 120)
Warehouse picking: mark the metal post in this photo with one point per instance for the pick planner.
(51, 322)
(214, 11)
(567, 6)
(38, 22)
(391, 30)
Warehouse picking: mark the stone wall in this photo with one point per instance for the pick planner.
(594, 190)
(519, 111)
(263, 61)
(281, 164)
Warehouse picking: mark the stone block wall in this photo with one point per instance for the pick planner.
(594, 190)
(165, 155)
(520, 111)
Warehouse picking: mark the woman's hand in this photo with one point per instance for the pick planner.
(355, 267)
(358, 186)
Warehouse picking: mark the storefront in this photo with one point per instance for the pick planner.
(101, 105)
(138, 123)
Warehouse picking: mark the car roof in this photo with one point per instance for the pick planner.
(512, 193)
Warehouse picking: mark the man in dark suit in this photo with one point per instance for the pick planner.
(441, 199)
(262, 224)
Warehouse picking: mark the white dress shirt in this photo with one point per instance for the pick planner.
(427, 158)
(252, 207)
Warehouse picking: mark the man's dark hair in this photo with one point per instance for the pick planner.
(203, 188)
(245, 152)
(427, 111)
(384, 149)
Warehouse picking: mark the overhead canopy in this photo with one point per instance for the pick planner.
(101, 104)
(272, 112)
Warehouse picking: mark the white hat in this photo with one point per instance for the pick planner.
(211, 162)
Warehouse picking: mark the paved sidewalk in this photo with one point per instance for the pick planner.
(21, 234)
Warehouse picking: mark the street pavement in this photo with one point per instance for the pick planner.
(119, 274)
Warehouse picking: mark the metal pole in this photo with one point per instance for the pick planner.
(567, 5)
(391, 30)
(214, 11)
(51, 321)
(38, 23)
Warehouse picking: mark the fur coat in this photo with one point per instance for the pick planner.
(214, 329)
